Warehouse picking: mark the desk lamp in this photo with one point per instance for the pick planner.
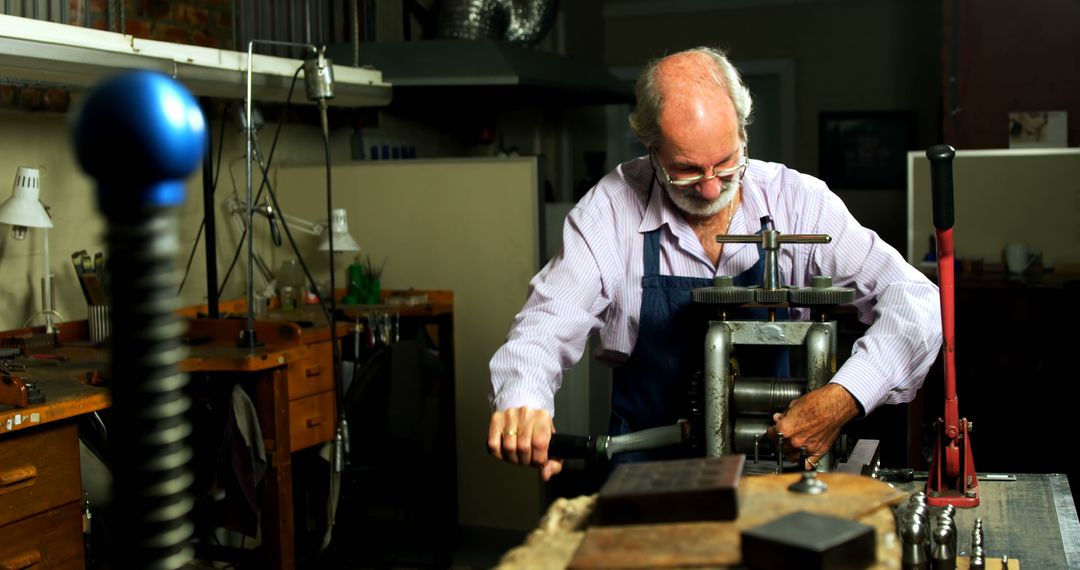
(23, 210)
(343, 240)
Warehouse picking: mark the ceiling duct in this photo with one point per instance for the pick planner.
(484, 56)
(523, 22)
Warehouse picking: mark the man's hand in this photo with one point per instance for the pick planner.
(814, 421)
(521, 436)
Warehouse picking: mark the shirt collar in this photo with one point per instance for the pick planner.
(659, 210)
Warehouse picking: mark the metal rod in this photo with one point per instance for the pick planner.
(236, 8)
(209, 219)
(718, 425)
(307, 21)
(779, 452)
(248, 131)
(356, 32)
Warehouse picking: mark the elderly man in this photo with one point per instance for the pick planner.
(644, 236)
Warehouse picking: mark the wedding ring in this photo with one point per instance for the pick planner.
(812, 463)
(510, 433)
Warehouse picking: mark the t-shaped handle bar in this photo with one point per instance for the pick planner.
(770, 240)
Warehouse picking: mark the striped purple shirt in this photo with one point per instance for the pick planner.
(595, 283)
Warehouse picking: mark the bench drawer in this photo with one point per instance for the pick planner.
(312, 420)
(313, 374)
(39, 470)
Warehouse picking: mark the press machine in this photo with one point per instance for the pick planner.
(729, 414)
(738, 410)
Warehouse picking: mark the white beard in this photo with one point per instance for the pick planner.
(691, 203)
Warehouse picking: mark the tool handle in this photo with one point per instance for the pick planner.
(564, 446)
(275, 232)
(941, 184)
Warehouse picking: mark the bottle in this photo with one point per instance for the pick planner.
(291, 284)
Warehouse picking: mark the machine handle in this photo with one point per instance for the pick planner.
(941, 184)
(275, 232)
(564, 446)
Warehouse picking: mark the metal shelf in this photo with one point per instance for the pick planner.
(77, 57)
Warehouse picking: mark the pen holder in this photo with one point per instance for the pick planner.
(100, 323)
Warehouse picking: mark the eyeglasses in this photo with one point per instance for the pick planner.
(693, 179)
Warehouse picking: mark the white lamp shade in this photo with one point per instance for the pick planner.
(23, 207)
(339, 225)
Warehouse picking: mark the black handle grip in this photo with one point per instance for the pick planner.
(275, 233)
(941, 184)
(565, 446)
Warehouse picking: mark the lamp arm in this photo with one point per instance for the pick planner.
(306, 226)
(296, 223)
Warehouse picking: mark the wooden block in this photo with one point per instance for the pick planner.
(808, 541)
(681, 490)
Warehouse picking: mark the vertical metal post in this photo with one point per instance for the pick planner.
(210, 220)
(718, 423)
(820, 366)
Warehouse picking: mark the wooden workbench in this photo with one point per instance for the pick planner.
(41, 507)
(1032, 520)
(289, 378)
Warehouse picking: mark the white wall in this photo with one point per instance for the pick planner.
(43, 140)
(468, 225)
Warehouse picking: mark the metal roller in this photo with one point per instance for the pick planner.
(765, 396)
(746, 429)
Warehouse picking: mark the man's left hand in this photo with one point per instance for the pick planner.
(814, 421)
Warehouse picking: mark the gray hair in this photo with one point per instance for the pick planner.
(644, 120)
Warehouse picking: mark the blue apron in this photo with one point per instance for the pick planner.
(651, 388)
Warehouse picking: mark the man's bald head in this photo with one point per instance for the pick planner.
(683, 85)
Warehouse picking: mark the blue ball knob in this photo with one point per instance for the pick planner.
(139, 134)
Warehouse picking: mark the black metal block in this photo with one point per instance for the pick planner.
(808, 541)
(679, 490)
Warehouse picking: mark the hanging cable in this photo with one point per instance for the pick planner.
(213, 189)
(265, 180)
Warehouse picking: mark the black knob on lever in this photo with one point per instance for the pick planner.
(275, 232)
(941, 184)
(565, 446)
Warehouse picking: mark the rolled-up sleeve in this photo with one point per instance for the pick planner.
(564, 305)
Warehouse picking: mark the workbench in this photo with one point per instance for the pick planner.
(41, 497)
(1032, 520)
(289, 379)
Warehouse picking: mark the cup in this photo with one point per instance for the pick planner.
(1018, 257)
(99, 323)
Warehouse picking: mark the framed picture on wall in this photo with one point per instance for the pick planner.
(865, 150)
